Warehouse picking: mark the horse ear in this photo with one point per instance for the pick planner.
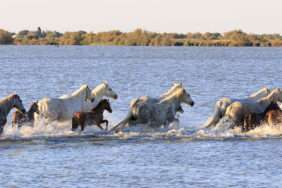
(180, 84)
(86, 85)
(17, 96)
(105, 83)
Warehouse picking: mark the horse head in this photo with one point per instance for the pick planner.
(18, 103)
(107, 105)
(103, 105)
(279, 94)
(108, 91)
(185, 97)
(34, 107)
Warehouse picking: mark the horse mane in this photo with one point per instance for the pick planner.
(80, 89)
(259, 92)
(176, 94)
(98, 88)
(6, 103)
(8, 97)
(170, 91)
(269, 95)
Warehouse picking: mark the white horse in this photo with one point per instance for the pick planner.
(155, 114)
(147, 99)
(62, 109)
(237, 110)
(6, 104)
(221, 105)
(98, 93)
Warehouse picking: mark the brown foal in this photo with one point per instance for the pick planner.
(95, 116)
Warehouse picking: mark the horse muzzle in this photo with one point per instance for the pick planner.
(115, 96)
(192, 103)
(92, 100)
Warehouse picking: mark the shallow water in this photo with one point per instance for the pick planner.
(183, 155)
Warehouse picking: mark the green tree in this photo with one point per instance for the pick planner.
(5, 37)
(76, 38)
(23, 33)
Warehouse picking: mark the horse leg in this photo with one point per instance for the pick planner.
(82, 124)
(74, 123)
(105, 121)
(99, 126)
(2, 124)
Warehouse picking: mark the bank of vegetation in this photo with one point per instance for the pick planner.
(139, 37)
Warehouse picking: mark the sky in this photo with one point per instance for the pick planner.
(180, 16)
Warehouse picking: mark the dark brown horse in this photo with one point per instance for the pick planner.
(95, 116)
(253, 120)
(21, 118)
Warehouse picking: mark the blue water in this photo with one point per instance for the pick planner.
(186, 155)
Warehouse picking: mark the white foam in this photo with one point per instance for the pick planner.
(43, 128)
(222, 129)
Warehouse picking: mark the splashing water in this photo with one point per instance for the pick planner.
(173, 131)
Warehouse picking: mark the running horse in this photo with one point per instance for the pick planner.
(62, 109)
(6, 104)
(20, 118)
(95, 116)
(237, 110)
(253, 120)
(155, 114)
(222, 105)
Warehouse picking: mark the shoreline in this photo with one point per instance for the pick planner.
(139, 37)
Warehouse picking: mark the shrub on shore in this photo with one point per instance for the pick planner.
(139, 37)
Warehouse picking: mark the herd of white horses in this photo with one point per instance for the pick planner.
(154, 112)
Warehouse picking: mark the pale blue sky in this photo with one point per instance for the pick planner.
(182, 16)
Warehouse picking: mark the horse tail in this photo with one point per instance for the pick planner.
(123, 123)
(214, 119)
(133, 102)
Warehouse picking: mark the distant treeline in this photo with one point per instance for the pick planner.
(139, 37)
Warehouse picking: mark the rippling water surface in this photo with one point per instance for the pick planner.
(184, 155)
